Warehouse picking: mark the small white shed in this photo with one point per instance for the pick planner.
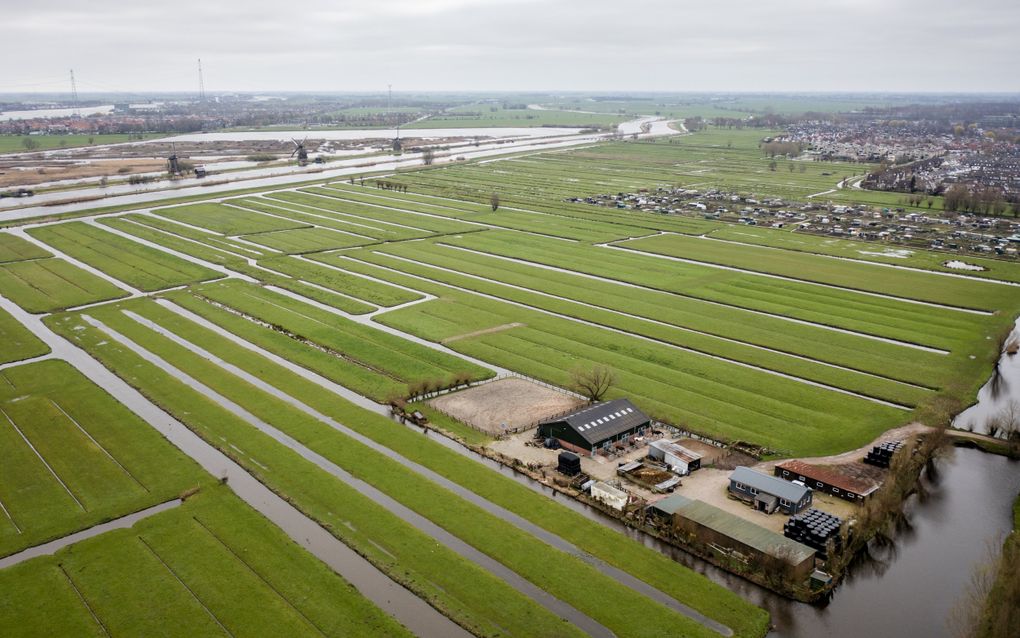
(611, 496)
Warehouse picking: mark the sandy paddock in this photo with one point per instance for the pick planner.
(516, 402)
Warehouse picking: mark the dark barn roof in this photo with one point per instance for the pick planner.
(601, 421)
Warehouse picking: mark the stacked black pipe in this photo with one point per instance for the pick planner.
(881, 455)
(569, 464)
(817, 529)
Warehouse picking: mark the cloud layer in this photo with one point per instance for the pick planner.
(649, 45)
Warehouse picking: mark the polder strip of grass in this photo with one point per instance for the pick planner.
(118, 467)
(712, 397)
(887, 318)
(949, 291)
(226, 220)
(306, 240)
(135, 264)
(643, 563)
(359, 287)
(242, 569)
(226, 244)
(374, 350)
(364, 226)
(435, 219)
(19, 342)
(45, 285)
(516, 549)
(204, 252)
(879, 358)
(463, 591)
(535, 222)
(881, 388)
(867, 251)
(13, 248)
(283, 281)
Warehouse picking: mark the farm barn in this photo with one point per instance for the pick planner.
(768, 493)
(596, 427)
(822, 479)
(733, 536)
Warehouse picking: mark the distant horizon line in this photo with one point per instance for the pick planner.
(551, 92)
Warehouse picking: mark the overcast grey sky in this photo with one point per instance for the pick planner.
(650, 45)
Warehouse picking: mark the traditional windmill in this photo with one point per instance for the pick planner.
(173, 165)
(299, 150)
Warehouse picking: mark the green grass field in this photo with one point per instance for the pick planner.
(13, 248)
(135, 264)
(19, 342)
(226, 220)
(74, 457)
(45, 285)
(211, 566)
(530, 558)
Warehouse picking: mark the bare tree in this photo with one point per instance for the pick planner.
(494, 200)
(428, 156)
(772, 165)
(592, 382)
(29, 143)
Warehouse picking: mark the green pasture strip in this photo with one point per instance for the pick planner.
(325, 219)
(642, 562)
(169, 240)
(19, 342)
(822, 345)
(882, 388)
(173, 573)
(889, 318)
(536, 561)
(903, 284)
(226, 220)
(296, 285)
(135, 264)
(45, 285)
(344, 283)
(706, 395)
(14, 248)
(375, 351)
(125, 466)
(460, 589)
(434, 219)
(409, 200)
(869, 251)
(306, 240)
(226, 244)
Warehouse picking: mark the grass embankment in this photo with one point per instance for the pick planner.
(211, 566)
(1000, 617)
(466, 521)
(98, 460)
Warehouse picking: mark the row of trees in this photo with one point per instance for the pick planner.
(776, 147)
(986, 200)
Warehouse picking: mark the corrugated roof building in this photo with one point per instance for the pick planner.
(718, 528)
(596, 427)
(768, 493)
